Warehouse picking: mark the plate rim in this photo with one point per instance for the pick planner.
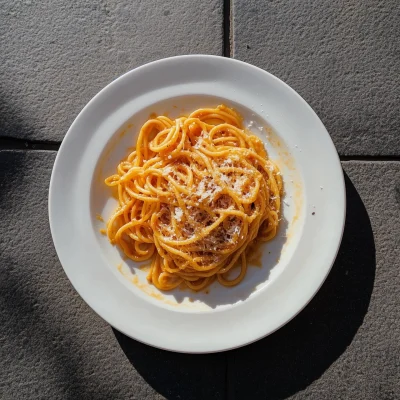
(68, 137)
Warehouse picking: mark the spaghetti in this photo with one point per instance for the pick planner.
(194, 195)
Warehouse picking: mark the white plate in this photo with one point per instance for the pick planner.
(294, 264)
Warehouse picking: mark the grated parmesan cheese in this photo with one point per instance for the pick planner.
(198, 143)
(227, 162)
(239, 182)
(206, 189)
(224, 178)
(167, 170)
(178, 213)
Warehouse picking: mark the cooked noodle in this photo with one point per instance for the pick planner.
(195, 193)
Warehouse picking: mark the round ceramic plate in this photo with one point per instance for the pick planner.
(284, 274)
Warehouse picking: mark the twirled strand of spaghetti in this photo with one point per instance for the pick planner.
(194, 195)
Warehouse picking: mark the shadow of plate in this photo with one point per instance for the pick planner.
(290, 359)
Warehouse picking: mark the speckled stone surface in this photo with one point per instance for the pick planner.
(344, 345)
(56, 55)
(342, 57)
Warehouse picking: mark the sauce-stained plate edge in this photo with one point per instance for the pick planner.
(258, 316)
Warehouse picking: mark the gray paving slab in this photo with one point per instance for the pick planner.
(52, 345)
(56, 55)
(346, 343)
(342, 57)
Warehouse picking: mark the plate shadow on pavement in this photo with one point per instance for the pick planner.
(176, 375)
(290, 359)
